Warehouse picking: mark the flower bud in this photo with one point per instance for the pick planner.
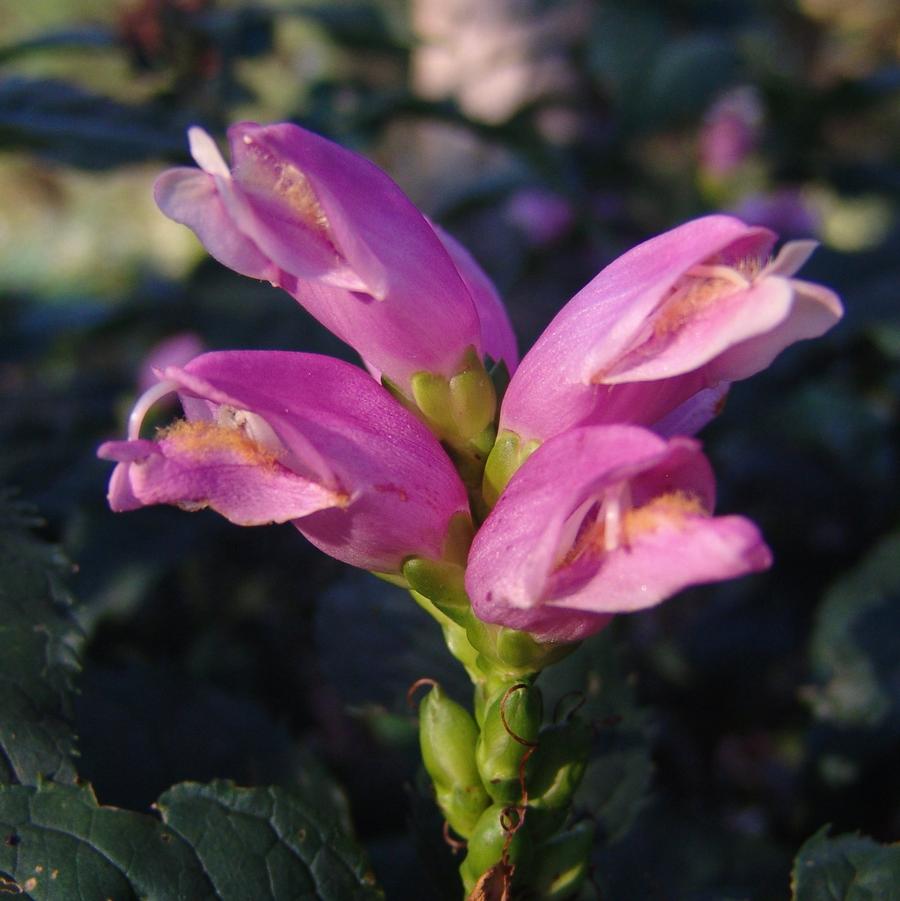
(447, 736)
(511, 725)
(562, 863)
(498, 830)
(556, 768)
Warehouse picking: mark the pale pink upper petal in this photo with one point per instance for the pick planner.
(813, 310)
(190, 197)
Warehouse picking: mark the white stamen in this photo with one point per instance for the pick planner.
(717, 271)
(144, 403)
(615, 505)
(206, 153)
(252, 425)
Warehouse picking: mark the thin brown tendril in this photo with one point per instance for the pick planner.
(509, 732)
(416, 686)
(522, 764)
(582, 700)
(455, 844)
(509, 825)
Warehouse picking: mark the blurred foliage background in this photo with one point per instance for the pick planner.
(549, 137)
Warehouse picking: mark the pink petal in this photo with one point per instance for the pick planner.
(813, 310)
(661, 563)
(247, 491)
(497, 335)
(191, 198)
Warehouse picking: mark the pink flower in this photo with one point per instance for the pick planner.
(731, 131)
(656, 337)
(599, 521)
(291, 437)
(336, 233)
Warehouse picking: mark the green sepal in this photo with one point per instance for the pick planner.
(460, 409)
(562, 863)
(442, 583)
(486, 845)
(503, 745)
(460, 533)
(392, 578)
(431, 394)
(473, 401)
(447, 737)
(555, 770)
(508, 654)
(507, 455)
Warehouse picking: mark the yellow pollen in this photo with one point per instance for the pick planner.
(200, 439)
(699, 288)
(294, 187)
(670, 509)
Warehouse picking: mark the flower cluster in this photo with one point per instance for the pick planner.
(577, 495)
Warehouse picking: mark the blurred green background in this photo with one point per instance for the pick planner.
(548, 137)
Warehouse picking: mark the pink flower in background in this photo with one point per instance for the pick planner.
(334, 231)
(731, 131)
(175, 350)
(785, 210)
(658, 335)
(541, 215)
(599, 521)
(290, 437)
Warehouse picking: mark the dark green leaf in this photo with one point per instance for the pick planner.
(853, 648)
(846, 868)
(216, 841)
(59, 845)
(267, 843)
(38, 661)
(69, 124)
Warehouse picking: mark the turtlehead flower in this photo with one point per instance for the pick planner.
(336, 233)
(603, 520)
(656, 337)
(292, 437)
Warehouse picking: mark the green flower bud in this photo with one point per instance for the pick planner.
(442, 583)
(493, 833)
(562, 863)
(507, 455)
(447, 736)
(473, 401)
(511, 725)
(460, 410)
(555, 770)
